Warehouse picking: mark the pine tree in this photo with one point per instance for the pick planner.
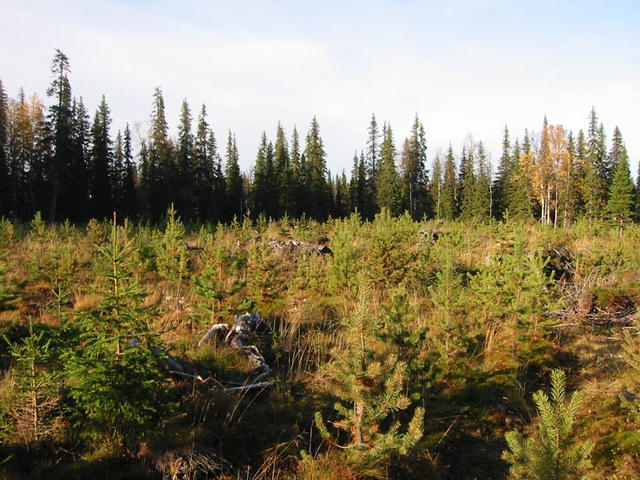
(369, 385)
(100, 166)
(620, 204)
(552, 453)
(388, 182)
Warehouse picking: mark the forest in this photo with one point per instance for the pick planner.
(165, 315)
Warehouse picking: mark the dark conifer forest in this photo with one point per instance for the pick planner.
(165, 314)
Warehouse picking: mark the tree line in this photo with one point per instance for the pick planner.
(58, 161)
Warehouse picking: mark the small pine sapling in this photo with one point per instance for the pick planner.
(551, 452)
(369, 383)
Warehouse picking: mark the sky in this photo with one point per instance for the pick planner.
(465, 67)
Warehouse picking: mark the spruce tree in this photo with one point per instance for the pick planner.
(205, 184)
(415, 177)
(482, 194)
(298, 194)
(5, 208)
(79, 181)
(617, 152)
(318, 189)
(234, 196)
(372, 169)
(34, 402)
(435, 189)
(467, 182)
(264, 193)
(519, 203)
(620, 204)
(117, 173)
(358, 184)
(100, 165)
(388, 182)
(596, 179)
(283, 173)
(503, 177)
(449, 193)
(61, 120)
(129, 198)
(115, 373)
(160, 181)
(184, 171)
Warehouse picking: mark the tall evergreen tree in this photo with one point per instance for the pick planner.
(467, 181)
(264, 193)
(233, 181)
(283, 173)
(186, 200)
(482, 194)
(61, 119)
(101, 164)
(204, 153)
(341, 196)
(129, 200)
(358, 185)
(4, 164)
(161, 166)
(596, 169)
(415, 177)
(298, 194)
(620, 204)
(79, 181)
(117, 174)
(372, 169)
(318, 188)
(618, 150)
(388, 182)
(503, 177)
(435, 189)
(448, 197)
(519, 205)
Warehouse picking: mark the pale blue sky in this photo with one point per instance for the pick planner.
(465, 67)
